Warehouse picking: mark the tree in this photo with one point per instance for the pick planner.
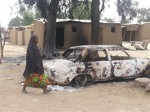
(14, 22)
(28, 14)
(97, 7)
(75, 9)
(37, 13)
(80, 10)
(27, 17)
(143, 15)
(49, 9)
(2, 42)
(127, 9)
(24, 15)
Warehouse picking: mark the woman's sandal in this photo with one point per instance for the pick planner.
(24, 91)
(46, 91)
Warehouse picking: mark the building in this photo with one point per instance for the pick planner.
(20, 35)
(78, 32)
(136, 32)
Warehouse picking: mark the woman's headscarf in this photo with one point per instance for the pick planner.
(33, 58)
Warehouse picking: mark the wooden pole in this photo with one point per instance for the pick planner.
(1, 44)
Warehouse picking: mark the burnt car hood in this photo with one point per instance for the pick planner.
(60, 70)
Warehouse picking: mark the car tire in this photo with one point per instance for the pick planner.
(81, 80)
(147, 73)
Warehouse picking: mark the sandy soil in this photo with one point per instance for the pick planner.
(99, 97)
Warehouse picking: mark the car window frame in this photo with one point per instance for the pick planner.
(105, 52)
(110, 58)
(69, 51)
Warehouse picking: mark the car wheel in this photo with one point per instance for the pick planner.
(147, 73)
(81, 80)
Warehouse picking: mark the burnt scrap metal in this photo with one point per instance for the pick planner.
(97, 62)
(136, 45)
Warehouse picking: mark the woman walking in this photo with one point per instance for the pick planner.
(34, 72)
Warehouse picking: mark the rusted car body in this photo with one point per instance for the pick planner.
(99, 63)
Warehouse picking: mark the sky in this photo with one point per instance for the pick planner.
(5, 11)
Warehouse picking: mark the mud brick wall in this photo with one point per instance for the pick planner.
(27, 35)
(20, 37)
(13, 36)
(39, 29)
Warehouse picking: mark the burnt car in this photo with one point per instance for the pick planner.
(92, 63)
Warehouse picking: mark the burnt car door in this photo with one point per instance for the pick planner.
(123, 65)
(101, 66)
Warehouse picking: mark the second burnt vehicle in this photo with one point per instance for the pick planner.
(93, 63)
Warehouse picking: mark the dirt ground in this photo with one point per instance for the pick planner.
(100, 97)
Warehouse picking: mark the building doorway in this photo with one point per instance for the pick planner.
(59, 37)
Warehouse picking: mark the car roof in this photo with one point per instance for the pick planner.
(96, 47)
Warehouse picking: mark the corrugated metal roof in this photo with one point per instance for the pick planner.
(75, 20)
(83, 21)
